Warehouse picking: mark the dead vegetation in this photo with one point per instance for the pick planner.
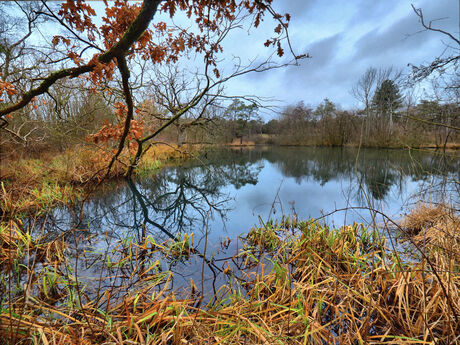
(298, 283)
(436, 227)
(36, 185)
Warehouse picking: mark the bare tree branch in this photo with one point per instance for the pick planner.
(134, 32)
(419, 13)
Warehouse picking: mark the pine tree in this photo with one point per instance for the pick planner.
(387, 99)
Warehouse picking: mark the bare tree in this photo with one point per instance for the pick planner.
(439, 64)
(114, 46)
(20, 60)
(367, 85)
(364, 88)
(170, 90)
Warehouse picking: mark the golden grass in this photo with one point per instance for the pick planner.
(436, 227)
(238, 142)
(10, 239)
(36, 185)
(300, 283)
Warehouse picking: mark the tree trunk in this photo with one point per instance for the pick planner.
(180, 134)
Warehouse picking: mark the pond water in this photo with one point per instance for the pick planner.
(225, 192)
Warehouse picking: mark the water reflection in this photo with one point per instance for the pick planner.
(227, 190)
(378, 169)
(223, 193)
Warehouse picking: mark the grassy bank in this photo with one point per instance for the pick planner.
(31, 185)
(285, 140)
(297, 282)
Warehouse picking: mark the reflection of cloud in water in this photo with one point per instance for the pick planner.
(235, 186)
(228, 189)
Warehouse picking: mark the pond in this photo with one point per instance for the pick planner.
(222, 193)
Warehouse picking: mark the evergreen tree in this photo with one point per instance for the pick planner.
(241, 114)
(325, 109)
(387, 99)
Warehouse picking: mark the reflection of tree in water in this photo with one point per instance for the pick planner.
(378, 170)
(232, 167)
(180, 199)
(379, 181)
(176, 199)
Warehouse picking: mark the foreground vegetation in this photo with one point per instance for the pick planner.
(293, 282)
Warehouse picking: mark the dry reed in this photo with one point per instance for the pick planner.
(299, 283)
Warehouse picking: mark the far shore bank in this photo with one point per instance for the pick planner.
(450, 146)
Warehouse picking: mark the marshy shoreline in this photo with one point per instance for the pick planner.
(300, 282)
(287, 281)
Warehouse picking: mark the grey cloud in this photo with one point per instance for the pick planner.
(325, 50)
(443, 13)
(371, 10)
(389, 42)
(310, 80)
(366, 33)
(402, 42)
(296, 8)
(322, 53)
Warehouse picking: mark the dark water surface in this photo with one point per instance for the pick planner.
(226, 192)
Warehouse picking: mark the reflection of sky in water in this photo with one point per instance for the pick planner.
(244, 185)
(307, 198)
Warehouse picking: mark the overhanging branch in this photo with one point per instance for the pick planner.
(134, 32)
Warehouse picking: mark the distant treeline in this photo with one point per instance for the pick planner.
(385, 122)
(428, 123)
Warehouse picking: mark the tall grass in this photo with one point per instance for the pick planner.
(35, 185)
(298, 282)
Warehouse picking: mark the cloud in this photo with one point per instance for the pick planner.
(403, 42)
(371, 11)
(298, 9)
(324, 52)
(344, 39)
(394, 43)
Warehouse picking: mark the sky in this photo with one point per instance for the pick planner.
(344, 38)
